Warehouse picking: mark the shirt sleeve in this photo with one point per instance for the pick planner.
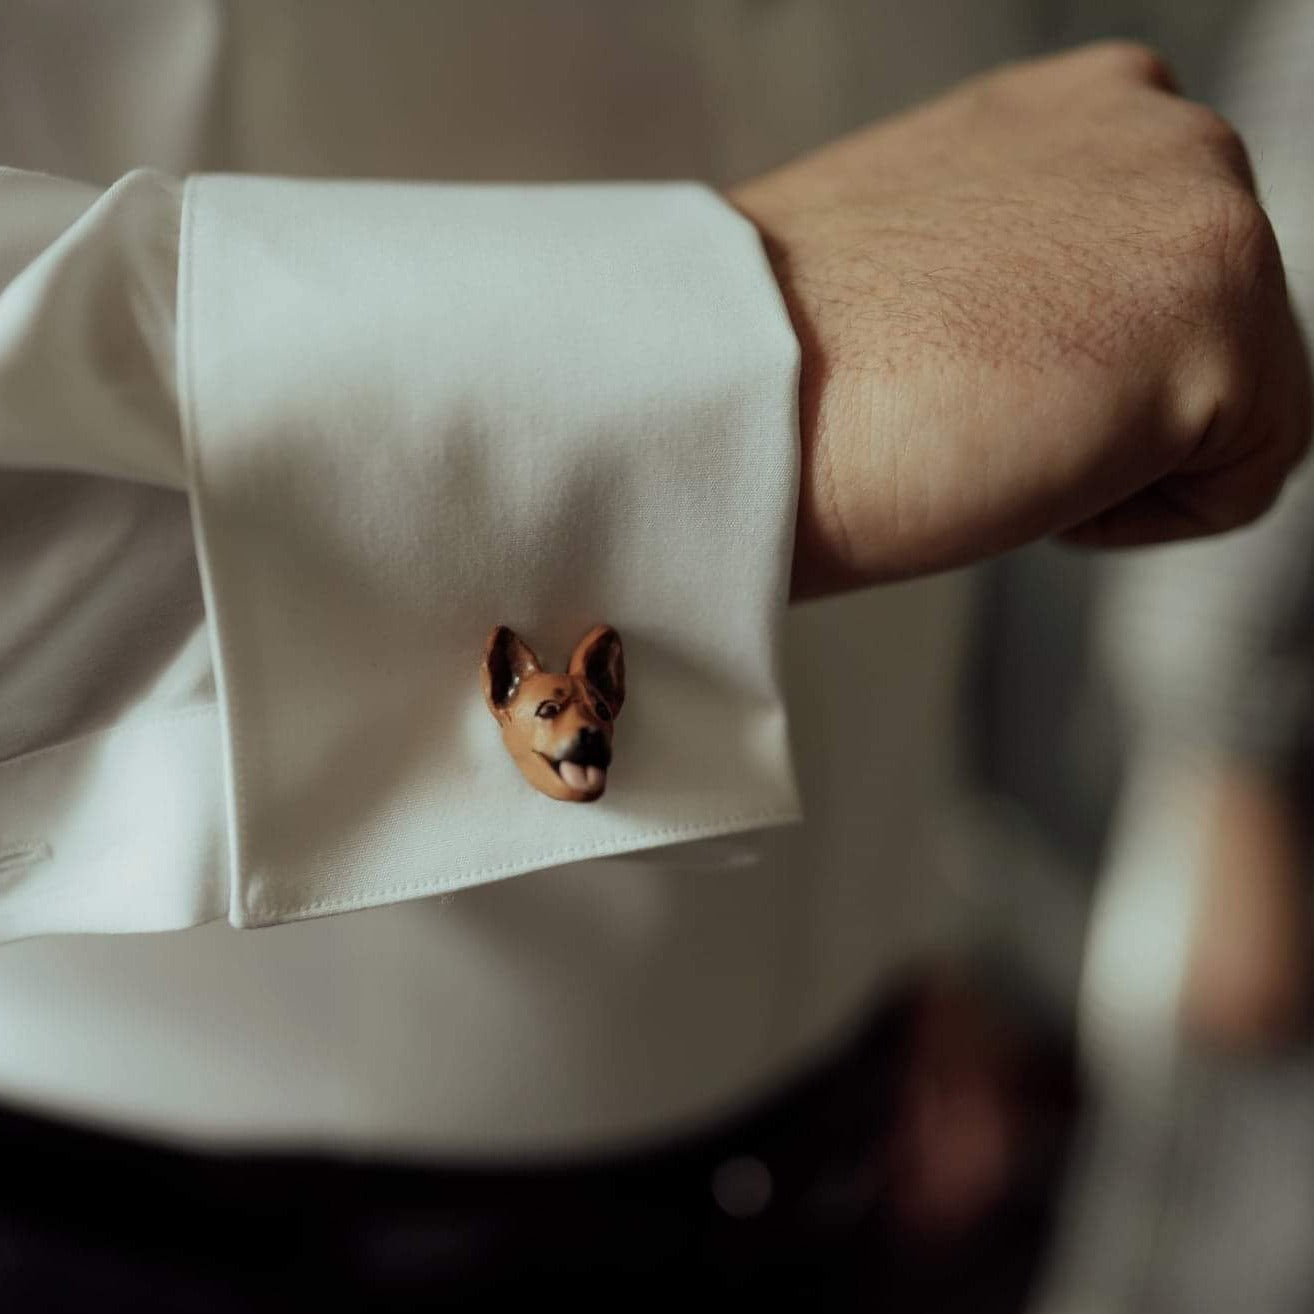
(402, 413)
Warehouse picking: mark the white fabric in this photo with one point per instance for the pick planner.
(556, 377)
(117, 831)
(579, 1006)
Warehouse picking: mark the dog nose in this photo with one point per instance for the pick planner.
(590, 749)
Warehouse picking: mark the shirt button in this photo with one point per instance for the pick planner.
(742, 1186)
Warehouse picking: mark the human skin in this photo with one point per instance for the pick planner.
(1248, 972)
(1046, 303)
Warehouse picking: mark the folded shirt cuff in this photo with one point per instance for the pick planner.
(414, 411)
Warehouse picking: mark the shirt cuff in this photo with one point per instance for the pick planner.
(414, 411)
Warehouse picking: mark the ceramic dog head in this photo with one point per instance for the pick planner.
(557, 727)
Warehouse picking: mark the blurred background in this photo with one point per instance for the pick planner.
(1137, 737)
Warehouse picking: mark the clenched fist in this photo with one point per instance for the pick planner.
(1047, 302)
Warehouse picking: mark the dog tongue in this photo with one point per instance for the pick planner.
(587, 779)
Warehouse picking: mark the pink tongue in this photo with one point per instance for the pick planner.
(587, 780)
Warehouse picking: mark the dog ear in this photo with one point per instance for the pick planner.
(599, 660)
(507, 661)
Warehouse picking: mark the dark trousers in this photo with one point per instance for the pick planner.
(782, 1202)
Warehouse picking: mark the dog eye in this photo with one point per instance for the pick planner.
(603, 711)
(548, 710)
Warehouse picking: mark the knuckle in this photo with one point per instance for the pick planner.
(1247, 245)
(1274, 448)
(1236, 255)
(1133, 60)
(1217, 130)
(1213, 133)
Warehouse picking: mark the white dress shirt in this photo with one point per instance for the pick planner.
(276, 453)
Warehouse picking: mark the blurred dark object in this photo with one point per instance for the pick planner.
(1037, 711)
(813, 1196)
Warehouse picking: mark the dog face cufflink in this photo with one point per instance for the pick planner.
(557, 728)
